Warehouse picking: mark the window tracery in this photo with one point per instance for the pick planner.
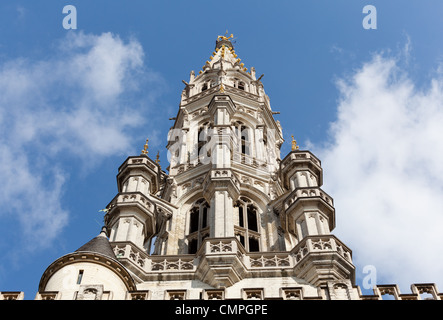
(198, 225)
(247, 224)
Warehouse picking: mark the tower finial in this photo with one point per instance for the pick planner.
(157, 158)
(294, 144)
(145, 148)
(224, 37)
(224, 40)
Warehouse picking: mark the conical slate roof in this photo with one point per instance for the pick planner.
(99, 244)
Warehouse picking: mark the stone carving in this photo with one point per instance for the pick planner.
(220, 246)
(90, 292)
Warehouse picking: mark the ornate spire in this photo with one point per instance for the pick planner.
(157, 158)
(223, 57)
(145, 149)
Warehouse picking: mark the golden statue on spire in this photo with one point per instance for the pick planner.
(294, 144)
(145, 149)
(157, 158)
(225, 36)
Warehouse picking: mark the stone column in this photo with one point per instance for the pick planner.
(222, 213)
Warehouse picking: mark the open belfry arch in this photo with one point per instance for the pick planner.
(231, 218)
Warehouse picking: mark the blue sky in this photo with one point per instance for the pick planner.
(75, 103)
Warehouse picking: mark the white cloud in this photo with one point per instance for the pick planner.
(72, 104)
(384, 168)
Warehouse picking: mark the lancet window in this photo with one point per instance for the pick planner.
(203, 139)
(246, 229)
(244, 138)
(198, 225)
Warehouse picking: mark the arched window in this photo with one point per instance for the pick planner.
(198, 225)
(201, 137)
(203, 142)
(240, 216)
(244, 137)
(246, 224)
(194, 219)
(204, 87)
(241, 85)
(252, 218)
(245, 140)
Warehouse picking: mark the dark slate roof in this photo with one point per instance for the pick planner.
(99, 244)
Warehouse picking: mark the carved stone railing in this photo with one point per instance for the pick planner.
(218, 246)
(137, 161)
(132, 198)
(318, 244)
(152, 263)
(172, 263)
(305, 193)
(241, 158)
(237, 158)
(269, 260)
(193, 163)
(202, 94)
(240, 92)
(254, 262)
(226, 88)
(279, 260)
(231, 246)
(124, 250)
(300, 156)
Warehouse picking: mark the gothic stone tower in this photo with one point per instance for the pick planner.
(231, 219)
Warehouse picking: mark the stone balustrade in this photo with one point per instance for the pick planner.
(150, 263)
(217, 246)
(241, 158)
(172, 263)
(305, 193)
(270, 260)
(132, 198)
(320, 243)
(300, 155)
(138, 161)
(226, 88)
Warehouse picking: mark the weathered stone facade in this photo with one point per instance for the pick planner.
(231, 220)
